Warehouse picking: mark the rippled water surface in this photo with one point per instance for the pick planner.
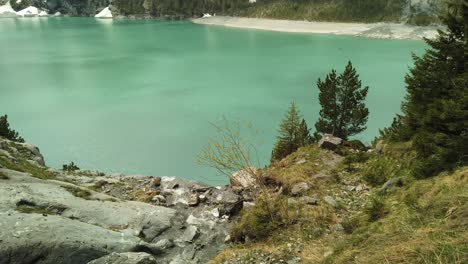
(138, 96)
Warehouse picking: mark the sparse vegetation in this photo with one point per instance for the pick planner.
(3, 176)
(78, 191)
(27, 167)
(33, 210)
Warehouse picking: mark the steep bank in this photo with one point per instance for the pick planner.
(362, 206)
(55, 216)
(376, 30)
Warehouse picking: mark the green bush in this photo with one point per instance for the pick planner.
(70, 167)
(376, 208)
(381, 168)
(261, 220)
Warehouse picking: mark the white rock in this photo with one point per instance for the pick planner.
(29, 11)
(207, 15)
(105, 13)
(43, 14)
(57, 14)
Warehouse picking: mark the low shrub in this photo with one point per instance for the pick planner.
(381, 168)
(376, 208)
(70, 167)
(261, 220)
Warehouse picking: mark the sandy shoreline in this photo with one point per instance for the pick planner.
(376, 30)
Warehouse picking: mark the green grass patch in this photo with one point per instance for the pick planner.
(26, 209)
(78, 192)
(27, 167)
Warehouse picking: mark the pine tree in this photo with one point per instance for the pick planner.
(6, 132)
(436, 107)
(343, 112)
(293, 134)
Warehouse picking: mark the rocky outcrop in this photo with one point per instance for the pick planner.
(53, 216)
(330, 142)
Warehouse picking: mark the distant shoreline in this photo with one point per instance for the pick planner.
(375, 30)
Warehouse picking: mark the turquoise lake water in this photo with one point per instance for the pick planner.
(138, 96)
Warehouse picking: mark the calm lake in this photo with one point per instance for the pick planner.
(138, 97)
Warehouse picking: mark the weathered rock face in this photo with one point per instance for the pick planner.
(59, 218)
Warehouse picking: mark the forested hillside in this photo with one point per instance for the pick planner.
(421, 12)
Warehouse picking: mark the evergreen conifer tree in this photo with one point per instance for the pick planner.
(343, 112)
(6, 132)
(436, 107)
(293, 134)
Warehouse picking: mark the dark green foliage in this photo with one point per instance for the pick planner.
(343, 112)
(70, 167)
(376, 208)
(436, 107)
(293, 134)
(8, 133)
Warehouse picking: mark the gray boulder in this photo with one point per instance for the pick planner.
(391, 184)
(330, 142)
(329, 200)
(308, 200)
(299, 188)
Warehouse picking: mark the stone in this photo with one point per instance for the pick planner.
(336, 228)
(361, 187)
(159, 198)
(391, 184)
(202, 198)
(329, 200)
(301, 161)
(165, 243)
(190, 234)
(155, 182)
(379, 147)
(244, 178)
(299, 188)
(330, 142)
(193, 200)
(308, 200)
(125, 258)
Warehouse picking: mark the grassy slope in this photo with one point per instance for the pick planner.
(425, 221)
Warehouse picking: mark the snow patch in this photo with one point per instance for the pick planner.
(7, 11)
(29, 11)
(105, 13)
